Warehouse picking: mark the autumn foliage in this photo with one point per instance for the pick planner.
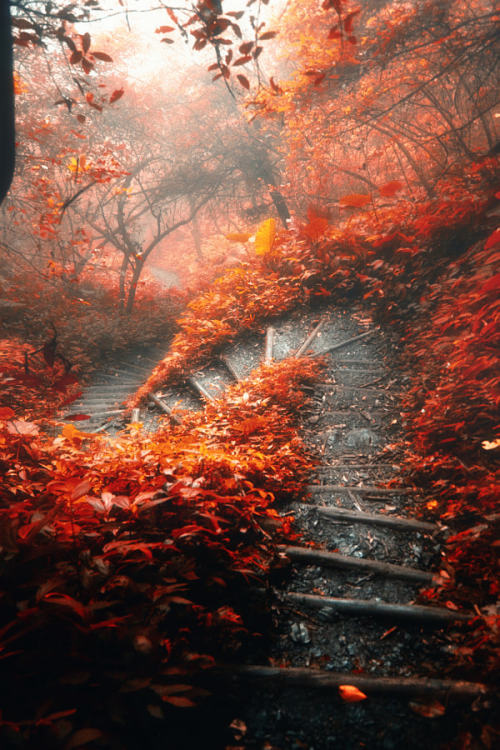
(128, 559)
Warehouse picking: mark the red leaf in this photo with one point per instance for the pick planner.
(75, 57)
(245, 47)
(179, 701)
(390, 188)
(81, 489)
(102, 56)
(242, 60)
(243, 80)
(82, 737)
(493, 239)
(355, 200)
(66, 601)
(6, 412)
(86, 42)
(164, 29)
(87, 65)
(267, 35)
(116, 95)
(81, 118)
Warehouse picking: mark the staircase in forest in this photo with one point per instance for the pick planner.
(345, 618)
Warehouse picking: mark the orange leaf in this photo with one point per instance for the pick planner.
(355, 200)
(428, 710)
(351, 694)
(238, 236)
(264, 237)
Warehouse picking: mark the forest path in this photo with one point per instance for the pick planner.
(343, 607)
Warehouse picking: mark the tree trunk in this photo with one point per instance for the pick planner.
(139, 265)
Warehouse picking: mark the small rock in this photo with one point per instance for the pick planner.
(326, 613)
(362, 438)
(299, 633)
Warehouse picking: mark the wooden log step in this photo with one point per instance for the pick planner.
(165, 408)
(352, 340)
(368, 466)
(336, 560)
(370, 685)
(89, 402)
(373, 519)
(200, 389)
(268, 350)
(365, 490)
(372, 608)
(307, 343)
(111, 387)
(361, 388)
(229, 367)
(364, 364)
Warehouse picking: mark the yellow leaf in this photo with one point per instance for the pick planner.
(238, 236)
(490, 445)
(264, 237)
(71, 432)
(351, 694)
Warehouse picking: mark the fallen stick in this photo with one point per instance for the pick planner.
(315, 678)
(165, 408)
(378, 519)
(336, 560)
(135, 416)
(103, 427)
(373, 519)
(200, 389)
(374, 608)
(307, 343)
(365, 364)
(268, 351)
(229, 367)
(361, 388)
(366, 490)
(334, 347)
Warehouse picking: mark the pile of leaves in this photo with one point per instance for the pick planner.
(454, 436)
(127, 563)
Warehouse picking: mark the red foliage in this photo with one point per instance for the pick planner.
(136, 551)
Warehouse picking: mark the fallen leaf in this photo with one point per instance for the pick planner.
(351, 694)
